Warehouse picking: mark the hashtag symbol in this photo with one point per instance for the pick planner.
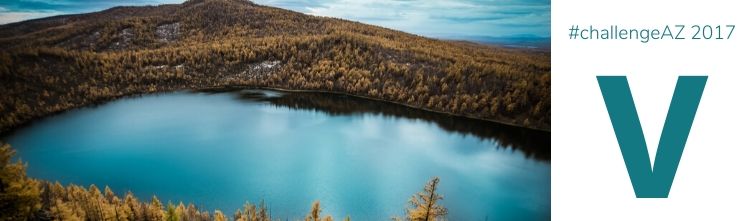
(574, 32)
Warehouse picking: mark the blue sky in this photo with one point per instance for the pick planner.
(433, 18)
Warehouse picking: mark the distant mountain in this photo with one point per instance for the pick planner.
(53, 64)
(514, 41)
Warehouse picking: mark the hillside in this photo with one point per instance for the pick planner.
(53, 64)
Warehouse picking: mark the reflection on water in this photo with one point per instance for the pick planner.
(535, 144)
(359, 157)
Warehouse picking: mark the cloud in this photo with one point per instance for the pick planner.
(20, 10)
(437, 18)
(8, 16)
(295, 5)
(433, 18)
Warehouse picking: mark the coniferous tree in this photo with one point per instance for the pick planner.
(171, 213)
(425, 204)
(19, 194)
(63, 212)
(314, 213)
(218, 216)
(155, 210)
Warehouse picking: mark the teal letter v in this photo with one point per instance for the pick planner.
(651, 182)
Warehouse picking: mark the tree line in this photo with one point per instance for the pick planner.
(25, 198)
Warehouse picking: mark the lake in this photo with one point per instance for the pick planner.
(359, 157)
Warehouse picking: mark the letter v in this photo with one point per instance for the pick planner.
(651, 182)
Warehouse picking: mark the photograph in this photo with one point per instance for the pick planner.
(309, 110)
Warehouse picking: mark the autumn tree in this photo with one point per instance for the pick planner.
(252, 212)
(315, 214)
(218, 216)
(155, 210)
(19, 194)
(171, 213)
(135, 206)
(425, 207)
(63, 211)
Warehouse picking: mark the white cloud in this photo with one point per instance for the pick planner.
(7, 16)
(441, 18)
(433, 18)
(14, 11)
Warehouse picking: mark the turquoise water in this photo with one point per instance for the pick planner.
(358, 157)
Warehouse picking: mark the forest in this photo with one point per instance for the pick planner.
(58, 63)
(25, 198)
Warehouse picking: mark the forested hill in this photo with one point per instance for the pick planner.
(53, 64)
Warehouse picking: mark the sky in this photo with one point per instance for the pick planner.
(432, 18)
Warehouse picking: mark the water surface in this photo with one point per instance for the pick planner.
(358, 157)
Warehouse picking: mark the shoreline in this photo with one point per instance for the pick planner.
(397, 103)
(7, 131)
